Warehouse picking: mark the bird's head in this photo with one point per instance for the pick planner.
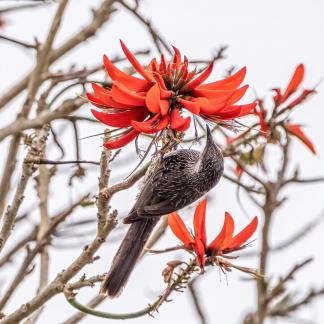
(210, 144)
(211, 155)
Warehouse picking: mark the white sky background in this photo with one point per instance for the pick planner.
(270, 38)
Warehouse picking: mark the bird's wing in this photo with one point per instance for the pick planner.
(165, 190)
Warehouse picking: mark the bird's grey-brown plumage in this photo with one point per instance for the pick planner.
(177, 180)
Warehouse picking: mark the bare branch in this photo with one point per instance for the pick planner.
(100, 16)
(66, 108)
(27, 171)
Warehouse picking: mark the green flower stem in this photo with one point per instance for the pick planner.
(98, 313)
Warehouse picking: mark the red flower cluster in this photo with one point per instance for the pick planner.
(282, 104)
(224, 242)
(156, 101)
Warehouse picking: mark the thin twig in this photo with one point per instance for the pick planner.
(156, 37)
(18, 42)
(70, 297)
(44, 161)
(94, 302)
(197, 302)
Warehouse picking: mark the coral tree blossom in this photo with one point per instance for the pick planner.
(283, 104)
(224, 242)
(156, 100)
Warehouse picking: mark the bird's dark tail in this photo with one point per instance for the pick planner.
(126, 256)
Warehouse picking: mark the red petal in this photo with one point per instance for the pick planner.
(164, 107)
(99, 103)
(278, 96)
(179, 229)
(199, 221)
(100, 92)
(295, 82)
(183, 73)
(122, 119)
(168, 72)
(160, 81)
(162, 64)
(247, 109)
(121, 140)
(185, 125)
(152, 99)
(231, 82)
(229, 230)
(238, 170)
(176, 57)
(213, 106)
(163, 123)
(127, 80)
(263, 125)
(239, 239)
(104, 96)
(238, 94)
(199, 248)
(192, 74)
(137, 65)
(234, 111)
(153, 65)
(201, 78)
(165, 94)
(190, 105)
(228, 112)
(225, 235)
(148, 126)
(214, 94)
(301, 98)
(209, 108)
(296, 131)
(104, 104)
(121, 94)
(176, 120)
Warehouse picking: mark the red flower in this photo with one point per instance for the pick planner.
(268, 125)
(224, 242)
(295, 130)
(293, 86)
(156, 101)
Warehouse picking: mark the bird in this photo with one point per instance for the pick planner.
(177, 180)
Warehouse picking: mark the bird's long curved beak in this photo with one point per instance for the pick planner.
(209, 133)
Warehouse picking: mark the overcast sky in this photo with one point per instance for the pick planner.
(270, 38)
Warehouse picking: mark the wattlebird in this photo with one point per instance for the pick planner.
(177, 180)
